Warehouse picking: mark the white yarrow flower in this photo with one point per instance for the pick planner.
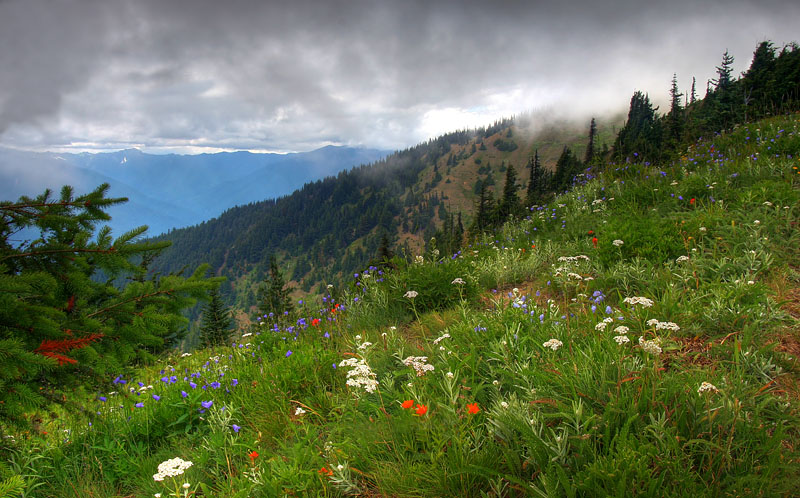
(621, 339)
(459, 281)
(618, 242)
(621, 330)
(651, 346)
(411, 294)
(553, 344)
(638, 300)
(299, 411)
(707, 387)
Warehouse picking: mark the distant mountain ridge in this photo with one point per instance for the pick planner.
(171, 191)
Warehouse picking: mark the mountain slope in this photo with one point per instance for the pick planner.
(168, 191)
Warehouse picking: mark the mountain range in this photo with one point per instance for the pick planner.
(171, 191)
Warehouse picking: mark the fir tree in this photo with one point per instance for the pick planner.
(509, 203)
(537, 183)
(216, 327)
(275, 296)
(484, 210)
(590, 146)
(675, 119)
(68, 315)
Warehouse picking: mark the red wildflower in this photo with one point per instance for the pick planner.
(421, 410)
(253, 455)
(594, 241)
(691, 201)
(315, 322)
(591, 232)
(407, 404)
(473, 408)
(325, 471)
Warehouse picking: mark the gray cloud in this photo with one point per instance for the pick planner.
(295, 75)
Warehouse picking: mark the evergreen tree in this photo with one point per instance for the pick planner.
(693, 95)
(68, 314)
(641, 135)
(567, 167)
(509, 203)
(216, 327)
(274, 294)
(537, 183)
(590, 146)
(675, 119)
(484, 211)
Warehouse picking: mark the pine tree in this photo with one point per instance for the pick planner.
(509, 203)
(590, 146)
(216, 327)
(693, 95)
(274, 293)
(537, 183)
(484, 210)
(675, 119)
(68, 314)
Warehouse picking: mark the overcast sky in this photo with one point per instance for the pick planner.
(206, 75)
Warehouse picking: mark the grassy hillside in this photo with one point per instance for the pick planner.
(637, 336)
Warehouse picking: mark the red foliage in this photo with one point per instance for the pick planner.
(53, 348)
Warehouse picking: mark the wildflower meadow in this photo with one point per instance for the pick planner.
(636, 336)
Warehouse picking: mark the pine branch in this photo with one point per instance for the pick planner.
(132, 300)
(60, 251)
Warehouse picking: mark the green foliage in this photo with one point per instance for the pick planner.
(217, 326)
(67, 317)
(275, 299)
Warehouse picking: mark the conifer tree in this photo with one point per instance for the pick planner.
(590, 146)
(484, 210)
(675, 119)
(537, 183)
(509, 203)
(275, 296)
(216, 327)
(68, 315)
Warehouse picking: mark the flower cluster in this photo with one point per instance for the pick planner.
(419, 364)
(617, 243)
(171, 468)
(553, 344)
(650, 346)
(411, 294)
(663, 325)
(602, 325)
(707, 387)
(638, 300)
(360, 375)
(440, 339)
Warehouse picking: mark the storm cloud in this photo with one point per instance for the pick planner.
(199, 75)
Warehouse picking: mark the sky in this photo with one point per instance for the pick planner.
(191, 76)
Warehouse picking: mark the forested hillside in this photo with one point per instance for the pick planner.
(330, 228)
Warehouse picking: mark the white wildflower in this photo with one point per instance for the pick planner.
(186, 485)
(651, 346)
(617, 242)
(667, 326)
(707, 387)
(449, 375)
(553, 344)
(608, 319)
(756, 222)
(299, 411)
(702, 229)
(681, 259)
(503, 404)
(184, 355)
(360, 375)
(638, 300)
(364, 346)
(171, 468)
(621, 330)
(411, 294)
(767, 203)
(440, 339)
(600, 326)
(621, 339)
(459, 281)
(419, 364)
